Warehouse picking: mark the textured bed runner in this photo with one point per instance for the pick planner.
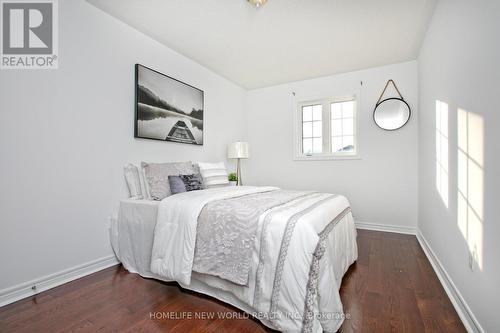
(226, 232)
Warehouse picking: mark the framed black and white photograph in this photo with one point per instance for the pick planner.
(167, 109)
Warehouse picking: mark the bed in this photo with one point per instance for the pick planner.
(277, 255)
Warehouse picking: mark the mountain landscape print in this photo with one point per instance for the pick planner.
(167, 109)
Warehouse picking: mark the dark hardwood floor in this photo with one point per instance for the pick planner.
(391, 288)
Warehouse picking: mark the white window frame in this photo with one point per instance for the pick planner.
(298, 154)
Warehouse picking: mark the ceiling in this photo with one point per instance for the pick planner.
(285, 40)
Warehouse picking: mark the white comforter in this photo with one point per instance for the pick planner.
(284, 281)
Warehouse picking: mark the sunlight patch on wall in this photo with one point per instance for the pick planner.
(442, 180)
(471, 183)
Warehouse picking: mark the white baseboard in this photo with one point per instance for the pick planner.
(386, 228)
(464, 312)
(25, 289)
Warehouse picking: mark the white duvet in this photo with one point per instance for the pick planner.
(301, 251)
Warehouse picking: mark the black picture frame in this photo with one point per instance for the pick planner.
(158, 118)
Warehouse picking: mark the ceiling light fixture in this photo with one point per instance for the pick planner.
(257, 3)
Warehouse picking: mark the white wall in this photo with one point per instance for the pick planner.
(381, 186)
(458, 65)
(65, 135)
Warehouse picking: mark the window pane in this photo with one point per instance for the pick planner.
(348, 144)
(336, 110)
(337, 127)
(307, 113)
(336, 144)
(307, 146)
(317, 129)
(317, 112)
(317, 145)
(307, 130)
(348, 109)
(348, 126)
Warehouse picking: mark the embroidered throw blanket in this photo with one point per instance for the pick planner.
(226, 233)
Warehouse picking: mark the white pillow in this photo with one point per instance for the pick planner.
(214, 174)
(144, 184)
(133, 181)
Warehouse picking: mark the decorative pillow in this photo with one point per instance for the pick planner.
(176, 184)
(133, 181)
(185, 183)
(214, 174)
(156, 175)
(192, 182)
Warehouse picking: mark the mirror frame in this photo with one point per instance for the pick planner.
(387, 99)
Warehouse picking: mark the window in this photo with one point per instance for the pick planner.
(342, 120)
(326, 129)
(312, 129)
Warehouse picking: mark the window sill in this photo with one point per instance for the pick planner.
(326, 157)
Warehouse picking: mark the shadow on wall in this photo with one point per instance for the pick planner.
(470, 176)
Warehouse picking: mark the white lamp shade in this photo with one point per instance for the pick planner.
(238, 150)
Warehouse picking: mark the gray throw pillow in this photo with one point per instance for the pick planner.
(156, 175)
(176, 184)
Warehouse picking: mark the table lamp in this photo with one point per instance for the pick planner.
(238, 150)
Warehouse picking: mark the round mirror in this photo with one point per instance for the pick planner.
(391, 114)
